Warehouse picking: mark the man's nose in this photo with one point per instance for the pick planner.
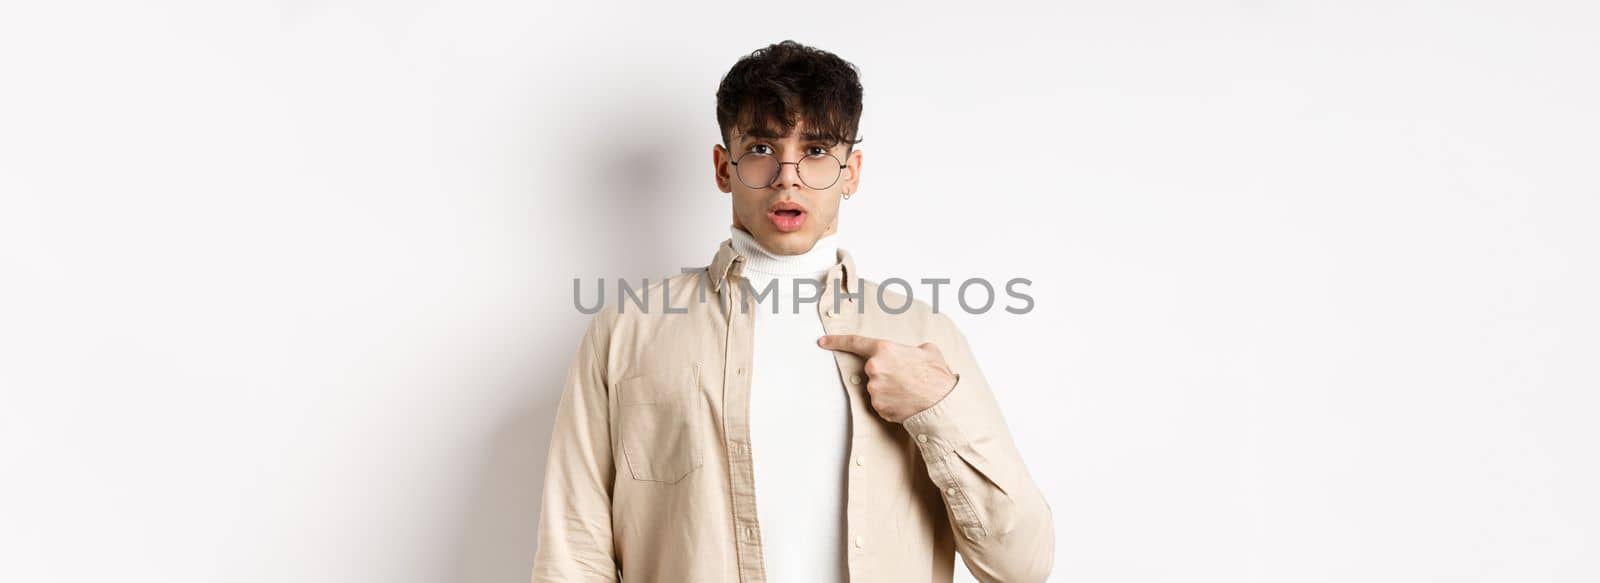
(788, 176)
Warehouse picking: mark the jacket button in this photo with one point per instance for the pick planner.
(855, 379)
(859, 461)
(922, 438)
(951, 490)
(858, 542)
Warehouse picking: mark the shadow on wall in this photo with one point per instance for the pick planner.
(617, 224)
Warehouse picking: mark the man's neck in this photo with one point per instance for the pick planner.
(763, 264)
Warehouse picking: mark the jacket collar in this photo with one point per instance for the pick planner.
(728, 262)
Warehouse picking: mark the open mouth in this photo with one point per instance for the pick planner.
(787, 216)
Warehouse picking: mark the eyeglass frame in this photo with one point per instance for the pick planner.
(775, 175)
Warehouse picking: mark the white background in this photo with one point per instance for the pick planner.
(285, 287)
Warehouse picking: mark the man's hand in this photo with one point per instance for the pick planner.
(901, 380)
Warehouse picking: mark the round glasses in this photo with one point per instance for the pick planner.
(817, 171)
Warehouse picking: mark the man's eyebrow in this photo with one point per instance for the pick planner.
(765, 134)
(761, 133)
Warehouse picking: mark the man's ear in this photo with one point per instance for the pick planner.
(853, 164)
(720, 165)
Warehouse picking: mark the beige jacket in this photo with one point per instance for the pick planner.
(649, 475)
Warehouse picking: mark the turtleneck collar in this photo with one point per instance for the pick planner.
(761, 264)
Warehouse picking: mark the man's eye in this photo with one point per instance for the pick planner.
(761, 149)
(816, 151)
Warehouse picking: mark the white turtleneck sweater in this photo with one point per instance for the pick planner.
(799, 419)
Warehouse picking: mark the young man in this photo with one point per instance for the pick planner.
(774, 417)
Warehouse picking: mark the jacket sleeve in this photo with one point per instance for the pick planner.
(575, 541)
(1002, 523)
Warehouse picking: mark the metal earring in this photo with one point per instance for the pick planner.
(847, 195)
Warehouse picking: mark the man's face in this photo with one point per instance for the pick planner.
(789, 216)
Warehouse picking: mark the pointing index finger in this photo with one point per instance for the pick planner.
(862, 345)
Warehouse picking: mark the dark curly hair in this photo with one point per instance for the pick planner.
(770, 90)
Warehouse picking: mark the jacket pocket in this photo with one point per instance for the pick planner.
(658, 424)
